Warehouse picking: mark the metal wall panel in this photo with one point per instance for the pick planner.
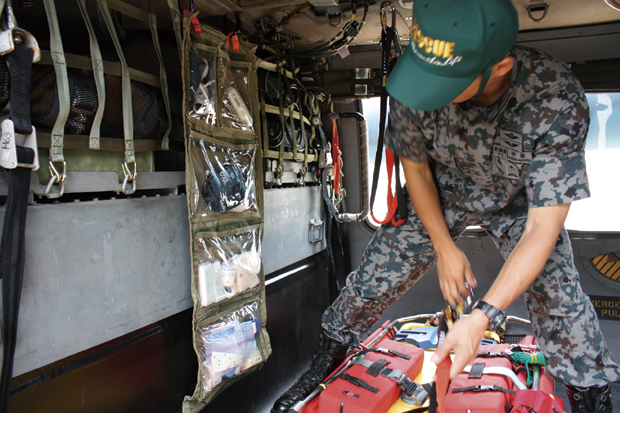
(97, 270)
(288, 212)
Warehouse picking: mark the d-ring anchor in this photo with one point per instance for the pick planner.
(537, 8)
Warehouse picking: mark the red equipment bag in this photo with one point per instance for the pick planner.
(481, 391)
(530, 401)
(370, 384)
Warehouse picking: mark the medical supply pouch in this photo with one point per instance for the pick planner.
(494, 380)
(374, 382)
(224, 186)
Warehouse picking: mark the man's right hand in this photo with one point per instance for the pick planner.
(454, 270)
(453, 266)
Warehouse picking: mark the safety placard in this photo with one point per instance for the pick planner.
(606, 307)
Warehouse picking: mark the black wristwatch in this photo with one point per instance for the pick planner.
(496, 316)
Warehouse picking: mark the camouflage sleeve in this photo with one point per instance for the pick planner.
(557, 174)
(403, 134)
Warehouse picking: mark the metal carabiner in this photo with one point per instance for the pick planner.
(56, 178)
(11, 22)
(129, 176)
(383, 14)
(302, 176)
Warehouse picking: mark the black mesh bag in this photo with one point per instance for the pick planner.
(149, 115)
(4, 83)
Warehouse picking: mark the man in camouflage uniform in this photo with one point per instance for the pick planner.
(507, 155)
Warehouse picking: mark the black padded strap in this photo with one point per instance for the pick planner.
(20, 68)
(12, 253)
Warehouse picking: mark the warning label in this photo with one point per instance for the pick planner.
(606, 307)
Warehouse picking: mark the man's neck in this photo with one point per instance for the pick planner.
(494, 90)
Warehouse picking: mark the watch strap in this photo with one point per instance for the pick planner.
(496, 316)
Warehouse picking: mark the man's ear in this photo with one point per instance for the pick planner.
(503, 66)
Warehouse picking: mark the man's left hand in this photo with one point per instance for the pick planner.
(464, 337)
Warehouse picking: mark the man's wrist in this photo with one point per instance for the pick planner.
(444, 247)
(495, 317)
(480, 318)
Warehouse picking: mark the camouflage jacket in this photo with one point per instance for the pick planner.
(524, 150)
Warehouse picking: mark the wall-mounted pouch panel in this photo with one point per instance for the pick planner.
(203, 83)
(226, 265)
(234, 86)
(224, 181)
(224, 178)
(228, 345)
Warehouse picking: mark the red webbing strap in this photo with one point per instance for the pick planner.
(337, 154)
(442, 380)
(392, 199)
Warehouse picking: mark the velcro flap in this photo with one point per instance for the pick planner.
(476, 370)
(376, 367)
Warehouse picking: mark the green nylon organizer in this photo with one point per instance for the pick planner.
(229, 238)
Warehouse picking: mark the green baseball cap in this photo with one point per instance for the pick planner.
(452, 43)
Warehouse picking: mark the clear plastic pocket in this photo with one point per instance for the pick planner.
(227, 266)
(227, 347)
(223, 177)
(236, 107)
(203, 85)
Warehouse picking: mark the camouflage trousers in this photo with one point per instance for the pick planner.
(563, 318)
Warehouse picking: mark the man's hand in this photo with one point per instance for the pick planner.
(453, 269)
(464, 337)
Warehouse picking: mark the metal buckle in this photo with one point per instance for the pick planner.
(129, 176)
(413, 390)
(56, 178)
(10, 141)
(14, 35)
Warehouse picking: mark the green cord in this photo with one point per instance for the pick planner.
(527, 359)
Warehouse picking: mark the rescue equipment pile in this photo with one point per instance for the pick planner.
(391, 372)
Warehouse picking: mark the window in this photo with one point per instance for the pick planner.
(598, 213)
(372, 111)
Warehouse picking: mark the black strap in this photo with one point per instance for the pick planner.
(20, 69)
(389, 37)
(391, 352)
(375, 368)
(359, 382)
(493, 355)
(483, 389)
(12, 249)
(12, 252)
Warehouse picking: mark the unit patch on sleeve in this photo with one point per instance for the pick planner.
(508, 154)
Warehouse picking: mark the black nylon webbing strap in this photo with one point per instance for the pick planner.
(483, 389)
(20, 69)
(359, 382)
(388, 37)
(12, 251)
